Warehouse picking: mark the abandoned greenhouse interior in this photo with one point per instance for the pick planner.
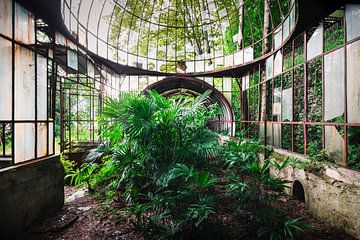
(179, 119)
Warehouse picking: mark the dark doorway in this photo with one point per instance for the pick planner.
(298, 192)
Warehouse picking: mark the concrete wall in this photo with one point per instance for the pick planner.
(332, 194)
(29, 192)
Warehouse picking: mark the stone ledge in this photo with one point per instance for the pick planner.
(333, 196)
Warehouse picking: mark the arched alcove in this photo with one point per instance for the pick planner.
(298, 192)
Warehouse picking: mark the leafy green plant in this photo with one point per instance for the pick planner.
(287, 228)
(83, 175)
(201, 210)
(203, 180)
(254, 190)
(67, 164)
(157, 153)
(159, 157)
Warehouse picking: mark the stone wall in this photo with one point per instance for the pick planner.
(29, 192)
(332, 193)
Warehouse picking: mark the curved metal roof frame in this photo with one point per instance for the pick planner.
(309, 11)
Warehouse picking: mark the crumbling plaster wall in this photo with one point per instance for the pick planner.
(29, 192)
(332, 194)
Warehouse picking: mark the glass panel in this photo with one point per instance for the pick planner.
(199, 66)
(82, 36)
(219, 62)
(248, 54)
(143, 83)
(134, 83)
(278, 63)
(67, 16)
(84, 12)
(228, 96)
(238, 58)
(105, 19)
(334, 143)
(315, 43)
(51, 138)
(24, 25)
(94, 16)
(245, 82)
(41, 88)
(229, 61)
(41, 140)
(269, 67)
(73, 24)
(286, 28)
(5, 79)
(6, 18)
(334, 86)
(125, 84)
(24, 84)
(209, 80)
(261, 131)
(353, 83)
(277, 135)
(92, 42)
(287, 97)
(102, 49)
(72, 59)
(90, 69)
(278, 38)
(227, 84)
(75, 7)
(292, 18)
(24, 142)
(352, 13)
(277, 100)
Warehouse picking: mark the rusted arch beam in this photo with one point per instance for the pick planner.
(195, 85)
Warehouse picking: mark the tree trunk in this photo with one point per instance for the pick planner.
(241, 24)
(265, 49)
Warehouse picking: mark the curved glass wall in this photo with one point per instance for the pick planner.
(155, 35)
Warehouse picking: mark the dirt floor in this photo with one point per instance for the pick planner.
(83, 217)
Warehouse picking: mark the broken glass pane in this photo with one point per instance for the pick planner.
(314, 90)
(353, 83)
(334, 86)
(334, 143)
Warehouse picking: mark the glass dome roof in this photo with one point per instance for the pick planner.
(157, 34)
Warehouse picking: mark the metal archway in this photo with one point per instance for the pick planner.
(176, 85)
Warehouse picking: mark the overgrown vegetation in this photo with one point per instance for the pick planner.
(159, 158)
